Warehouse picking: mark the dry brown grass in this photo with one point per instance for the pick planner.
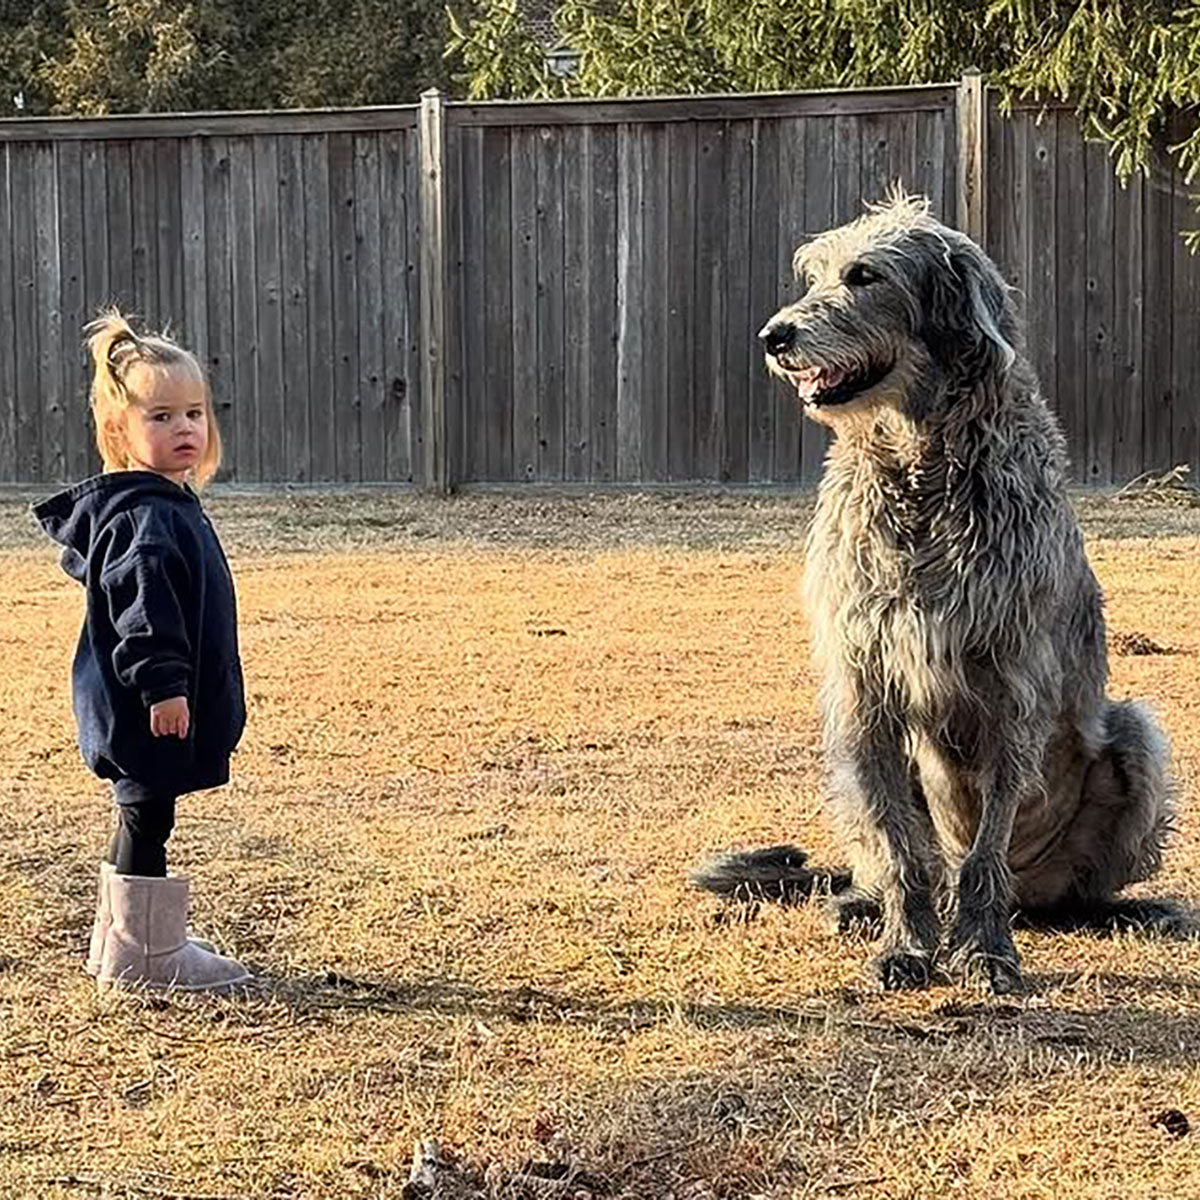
(487, 740)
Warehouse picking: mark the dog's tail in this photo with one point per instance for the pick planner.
(775, 873)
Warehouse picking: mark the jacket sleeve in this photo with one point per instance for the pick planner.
(146, 588)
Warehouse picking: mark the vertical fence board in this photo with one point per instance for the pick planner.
(709, 290)
(468, 287)
(72, 356)
(244, 461)
(792, 185)
(764, 296)
(549, 307)
(347, 414)
(368, 239)
(577, 175)
(524, 304)
(218, 272)
(656, 299)
(8, 326)
(1128, 337)
(318, 273)
(1100, 185)
(1158, 240)
(1071, 294)
(297, 421)
(268, 383)
(28, 442)
(601, 283)
(498, 301)
(631, 323)
(819, 171)
(740, 344)
(398, 313)
(681, 298)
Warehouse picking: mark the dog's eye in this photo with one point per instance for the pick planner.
(859, 275)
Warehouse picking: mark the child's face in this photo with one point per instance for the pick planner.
(166, 428)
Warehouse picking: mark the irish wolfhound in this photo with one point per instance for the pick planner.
(976, 762)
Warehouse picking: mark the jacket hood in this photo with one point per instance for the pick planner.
(74, 516)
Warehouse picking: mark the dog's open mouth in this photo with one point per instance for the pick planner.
(824, 387)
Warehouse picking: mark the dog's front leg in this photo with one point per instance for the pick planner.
(981, 944)
(892, 849)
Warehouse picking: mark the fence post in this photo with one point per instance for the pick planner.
(433, 295)
(972, 157)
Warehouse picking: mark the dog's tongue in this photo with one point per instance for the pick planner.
(811, 380)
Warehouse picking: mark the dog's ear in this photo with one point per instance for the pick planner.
(967, 314)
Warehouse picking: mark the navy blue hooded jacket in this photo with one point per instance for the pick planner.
(161, 622)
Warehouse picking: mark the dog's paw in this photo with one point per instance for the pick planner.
(854, 914)
(995, 968)
(902, 971)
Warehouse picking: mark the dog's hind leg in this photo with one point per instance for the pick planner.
(1116, 838)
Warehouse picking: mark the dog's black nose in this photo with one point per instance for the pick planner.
(777, 338)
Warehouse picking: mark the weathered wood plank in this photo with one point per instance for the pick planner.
(72, 268)
(1157, 324)
(656, 299)
(1128, 338)
(577, 176)
(1185, 318)
(602, 286)
(23, 202)
(471, 311)
(740, 344)
(273, 123)
(318, 273)
(268, 310)
(144, 207)
(498, 305)
(218, 303)
(297, 426)
(8, 326)
(347, 430)
(791, 224)
(1099, 320)
(764, 106)
(1071, 292)
(193, 248)
(819, 168)
(48, 270)
(245, 464)
(550, 300)
(118, 179)
(168, 235)
(368, 238)
(398, 315)
(413, 287)
(711, 317)
(453, 271)
(847, 177)
(764, 297)
(631, 310)
(1041, 224)
(524, 304)
(681, 299)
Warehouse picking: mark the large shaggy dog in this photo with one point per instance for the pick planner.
(976, 763)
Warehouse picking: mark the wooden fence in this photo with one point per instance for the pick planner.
(559, 292)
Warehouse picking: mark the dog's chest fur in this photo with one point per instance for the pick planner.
(885, 580)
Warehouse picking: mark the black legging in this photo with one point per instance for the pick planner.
(145, 819)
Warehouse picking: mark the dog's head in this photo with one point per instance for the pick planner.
(898, 307)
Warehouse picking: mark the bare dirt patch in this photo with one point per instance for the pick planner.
(488, 738)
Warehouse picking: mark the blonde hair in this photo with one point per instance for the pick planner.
(115, 349)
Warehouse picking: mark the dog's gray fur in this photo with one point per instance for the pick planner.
(975, 759)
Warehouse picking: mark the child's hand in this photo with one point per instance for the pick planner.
(169, 717)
